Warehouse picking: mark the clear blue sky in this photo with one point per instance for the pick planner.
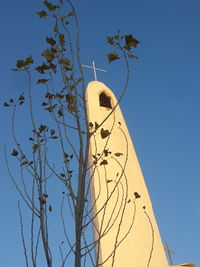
(161, 107)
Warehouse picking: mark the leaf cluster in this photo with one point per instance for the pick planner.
(20, 101)
(123, 42)
(24, 64)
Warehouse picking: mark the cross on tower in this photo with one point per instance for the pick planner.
(169, 252)
(94, 69)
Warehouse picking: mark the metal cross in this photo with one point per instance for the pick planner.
(169, 252)
(94, 69)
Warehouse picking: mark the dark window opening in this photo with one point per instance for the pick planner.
(105, 101)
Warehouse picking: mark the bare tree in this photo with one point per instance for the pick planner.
(55, 156)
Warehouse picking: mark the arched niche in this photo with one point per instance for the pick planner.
(105, 100)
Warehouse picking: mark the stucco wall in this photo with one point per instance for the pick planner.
(124, 218)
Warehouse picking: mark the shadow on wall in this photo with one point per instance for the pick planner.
(184, 265)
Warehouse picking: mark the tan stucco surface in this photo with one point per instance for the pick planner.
(129, 232)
